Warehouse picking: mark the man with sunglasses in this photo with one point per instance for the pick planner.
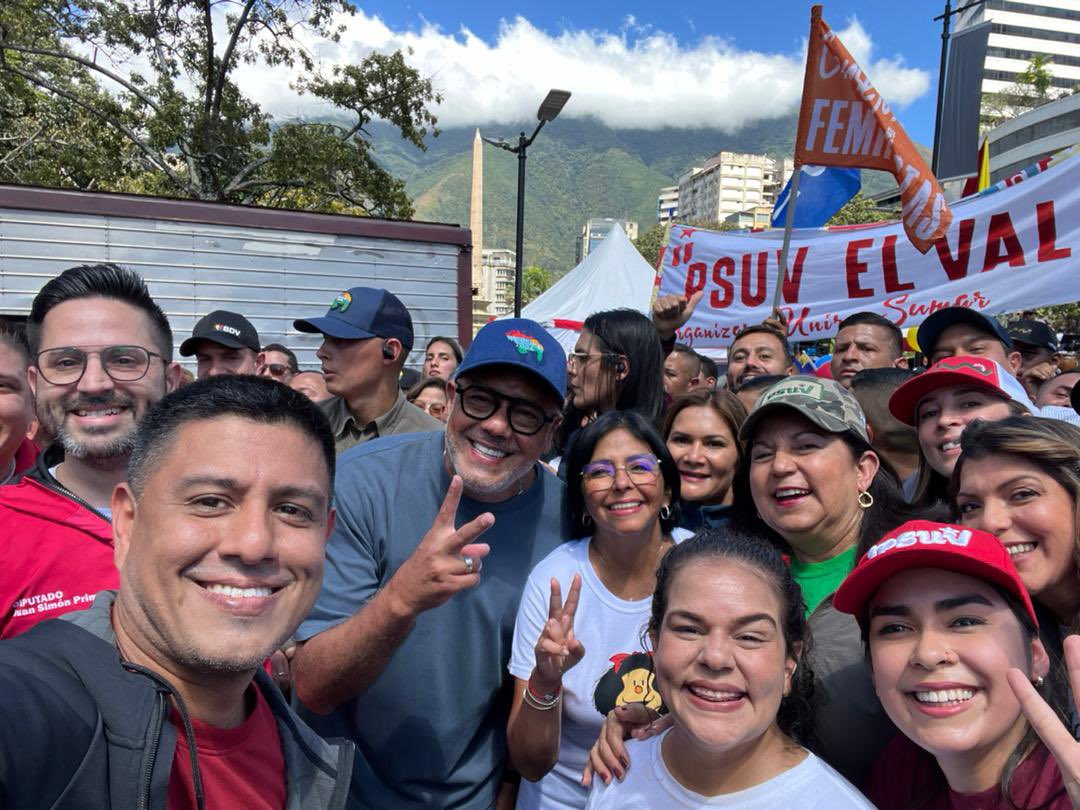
(102, 355)
(406, 649)
(278, 363)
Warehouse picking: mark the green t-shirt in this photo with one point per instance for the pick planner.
(821, 579)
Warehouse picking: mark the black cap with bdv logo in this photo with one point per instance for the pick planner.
(227, 328)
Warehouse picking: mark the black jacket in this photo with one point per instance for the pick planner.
(80, 728)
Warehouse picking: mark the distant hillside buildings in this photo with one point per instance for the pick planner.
(731, 185)
(667, 205)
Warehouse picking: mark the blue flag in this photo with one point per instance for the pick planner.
(822, 192)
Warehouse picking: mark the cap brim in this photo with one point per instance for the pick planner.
(190, 346)
(746, 432)
(333, 327)
(934, 325)
(860, 586)
(906, 398)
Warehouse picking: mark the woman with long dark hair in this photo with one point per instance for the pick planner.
(617, 364)
(1019, 479)
(623, 498)
(953, 643)
(729, 641)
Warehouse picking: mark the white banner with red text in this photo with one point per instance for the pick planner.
(1004, 252)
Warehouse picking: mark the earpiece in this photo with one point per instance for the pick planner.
(620, 366)
(387, 350)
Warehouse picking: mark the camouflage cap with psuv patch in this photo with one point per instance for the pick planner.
(826, 403)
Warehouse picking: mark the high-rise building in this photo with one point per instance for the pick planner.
(1022, 29)
(667, 205)
(728, 183)
(596, 230)
(498, 272)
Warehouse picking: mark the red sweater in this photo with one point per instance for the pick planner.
(55, 554)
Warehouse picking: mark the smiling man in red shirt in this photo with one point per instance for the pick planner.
(101, 356)
(156, 695)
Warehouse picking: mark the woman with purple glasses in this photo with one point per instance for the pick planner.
(623, 495)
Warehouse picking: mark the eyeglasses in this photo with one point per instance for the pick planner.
(481, 402)
(598, 476)
(67, 364)
(577, 358)
(436, 409)
(276, 369)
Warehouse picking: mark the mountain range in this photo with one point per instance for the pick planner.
(576, 168)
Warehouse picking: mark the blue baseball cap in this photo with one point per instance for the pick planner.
(523, 344)
(932, 327)
(363, 312)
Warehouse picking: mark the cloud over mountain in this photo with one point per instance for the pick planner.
(633, 77)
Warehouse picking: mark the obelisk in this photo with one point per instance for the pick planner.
(476, 225)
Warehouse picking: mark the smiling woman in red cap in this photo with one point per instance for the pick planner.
(952, 638)
(941, 402)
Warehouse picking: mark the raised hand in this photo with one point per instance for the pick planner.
(776, 320)
(608, 757)
(670, 312)
(1047, 725)
(446, 561)
(558, 649)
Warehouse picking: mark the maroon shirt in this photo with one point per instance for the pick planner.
(240, 767)
(905, 777)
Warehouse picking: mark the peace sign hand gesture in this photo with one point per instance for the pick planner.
(446, 561)
(1048, 726)
(558, 649)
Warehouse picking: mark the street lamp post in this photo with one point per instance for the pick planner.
(549, 110)
(945, 18)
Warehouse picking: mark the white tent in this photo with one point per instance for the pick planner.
(612, 276)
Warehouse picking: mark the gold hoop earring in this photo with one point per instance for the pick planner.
(866, 500)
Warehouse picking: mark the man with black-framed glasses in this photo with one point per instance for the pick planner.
(407, 647)
(102, 355)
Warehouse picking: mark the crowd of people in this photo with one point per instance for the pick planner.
(619, 577)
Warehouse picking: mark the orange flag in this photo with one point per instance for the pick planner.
(844, 121)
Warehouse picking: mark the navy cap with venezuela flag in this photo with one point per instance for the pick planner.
(521, 343)
(359, 313)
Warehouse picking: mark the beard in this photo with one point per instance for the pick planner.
(91, 447)
(480, 485)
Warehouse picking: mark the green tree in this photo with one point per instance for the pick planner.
(1062, 317)
(649, 242)
(1034, 87)
(1037, 75)
(183, 125)
(43, 142)
(859, 210)
(534, 281)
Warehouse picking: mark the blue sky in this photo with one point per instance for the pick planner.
(647, 65)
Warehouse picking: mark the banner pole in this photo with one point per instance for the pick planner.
(658, 277)
(789, 222)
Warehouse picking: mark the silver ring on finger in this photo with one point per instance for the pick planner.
(469, 563)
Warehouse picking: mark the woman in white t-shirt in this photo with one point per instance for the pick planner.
(623, 488)
(728, 633)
